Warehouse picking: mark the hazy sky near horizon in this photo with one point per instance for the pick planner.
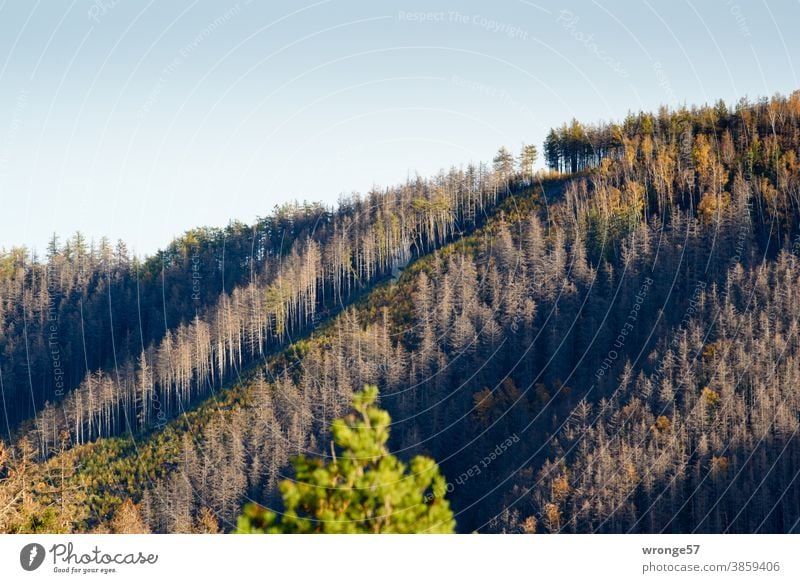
(139, 120)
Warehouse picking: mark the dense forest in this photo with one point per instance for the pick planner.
(110, 345)
(609, 345)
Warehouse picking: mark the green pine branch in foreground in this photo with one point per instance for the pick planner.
(363, 489)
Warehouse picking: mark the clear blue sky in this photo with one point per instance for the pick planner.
(139, 120)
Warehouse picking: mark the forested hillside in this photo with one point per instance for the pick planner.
(607, 346)
(96, 344)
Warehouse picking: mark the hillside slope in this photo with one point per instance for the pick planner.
(611, 351)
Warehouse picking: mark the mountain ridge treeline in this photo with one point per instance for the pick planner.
(190, 318)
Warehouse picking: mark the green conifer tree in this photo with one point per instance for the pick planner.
(362, 489)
